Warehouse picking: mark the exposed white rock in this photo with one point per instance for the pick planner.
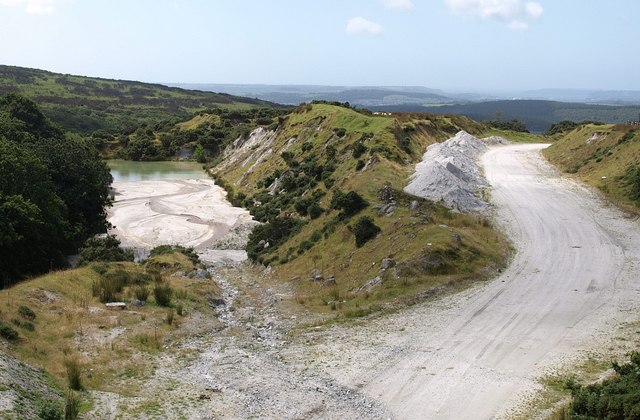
(449, 173)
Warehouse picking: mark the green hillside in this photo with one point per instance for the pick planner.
(85, 104)
(328, 184)
(606, 157)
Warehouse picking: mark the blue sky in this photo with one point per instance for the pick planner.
(457, 45)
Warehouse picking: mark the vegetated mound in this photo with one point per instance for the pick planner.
(87, 104)
(605, 156)
(63, 317)
(25, 391)
(449, 173)
(327, 183)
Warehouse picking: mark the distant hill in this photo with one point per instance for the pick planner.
(603, 97)
(536, 115)
(86, 104)
(362, 96)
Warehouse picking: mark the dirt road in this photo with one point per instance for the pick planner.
(574, 276)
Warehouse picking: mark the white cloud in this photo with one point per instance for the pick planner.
(515, 12)
(36, 7)
(360, 25)
(405, 5)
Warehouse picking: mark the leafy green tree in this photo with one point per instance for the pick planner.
(53, 190)
(33, 225)
(198, 154)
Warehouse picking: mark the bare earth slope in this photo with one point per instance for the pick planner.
(573, 278)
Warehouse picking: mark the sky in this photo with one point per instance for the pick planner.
(455, 45)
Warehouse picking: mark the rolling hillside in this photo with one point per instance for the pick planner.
(327, 183)
(85, 104)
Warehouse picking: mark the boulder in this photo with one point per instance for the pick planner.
(387, 263)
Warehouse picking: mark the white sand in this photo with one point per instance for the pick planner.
(191, 213)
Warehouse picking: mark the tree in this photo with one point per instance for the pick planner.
(198, 154)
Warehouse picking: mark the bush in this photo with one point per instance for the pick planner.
(169, 249)
(616, 398)
(365, 230)
(163, 293)
(170, 315)
(141, 293)
(71, 407)
(109, 287)
(26, 313)
(7, 332)
(74, 374)
(103, 249)
(50, 410)
(314, 210)
(350, 203)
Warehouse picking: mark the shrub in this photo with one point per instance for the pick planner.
(71, 407)
(170, 315)
(365, 230)
(108, 287)
(103, 249)
(163, 293)
(314, 210)
(141, 293)
(169, 249)
(27, 325)
(350, 203)
(50, 410)
(359, 164)
(616, 398)
(7, 332)
(26, 313)
(358, 150)
(179, 309)
(74, 374)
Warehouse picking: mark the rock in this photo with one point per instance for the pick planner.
(330, 281)
(386, 194)
(387, 263)
(116, 305)
(316, 275)
(371, 284)
(200, 273)
(457, 238)
(414, 206)
(137, 303)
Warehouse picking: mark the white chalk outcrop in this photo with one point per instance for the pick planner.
(449, 173)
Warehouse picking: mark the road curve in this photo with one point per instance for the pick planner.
(575, 273)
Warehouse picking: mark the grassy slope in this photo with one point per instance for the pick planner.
(113, 347)
(86, 104)
(599, 156)
(411, 237)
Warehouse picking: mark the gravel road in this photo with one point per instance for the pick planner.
(574, 276)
